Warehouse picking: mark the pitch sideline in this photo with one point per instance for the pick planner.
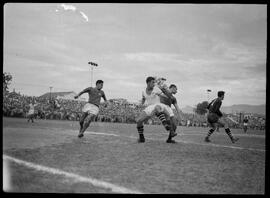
(94, 182)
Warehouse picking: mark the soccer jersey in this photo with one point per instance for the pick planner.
(215, 106)
(31, 109)
(153, 98)
(167, 100)
(94, 95)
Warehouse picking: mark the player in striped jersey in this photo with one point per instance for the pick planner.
(91, 109)
(215, 117)
(150, 98)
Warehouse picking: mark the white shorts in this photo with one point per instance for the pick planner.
(90, 108)
(245, 124)
(150, 109)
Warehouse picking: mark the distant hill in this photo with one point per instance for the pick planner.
(257, 109)
(187, 109)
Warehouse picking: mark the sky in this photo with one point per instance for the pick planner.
(194, 46)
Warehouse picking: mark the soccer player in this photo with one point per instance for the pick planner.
(168, 99)
(215, 118)
(245, 123)
(150, 98)
(31, 112)
(91, 109)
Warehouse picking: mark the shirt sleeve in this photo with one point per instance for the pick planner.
(88, 89)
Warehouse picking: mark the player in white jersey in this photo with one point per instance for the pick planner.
(150, 98)
(31, 112)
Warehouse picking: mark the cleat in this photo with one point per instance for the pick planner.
(207, 139)
(235, 140)
(141, 140)
(170, 141)
(80, 135)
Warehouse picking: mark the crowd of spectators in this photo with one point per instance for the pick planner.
(17, 105)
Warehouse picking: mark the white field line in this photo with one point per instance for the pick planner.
(95, 182)
(186, 142)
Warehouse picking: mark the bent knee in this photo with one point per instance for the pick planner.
(89, 118)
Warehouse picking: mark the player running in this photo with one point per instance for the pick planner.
(215, 118)
(150, 98)
(91, 109)
(168, 99)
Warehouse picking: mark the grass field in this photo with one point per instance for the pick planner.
(47, 156)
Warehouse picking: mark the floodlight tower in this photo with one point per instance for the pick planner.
(92, 64)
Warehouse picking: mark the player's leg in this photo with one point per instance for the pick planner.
(82, 118)
(222, 122)
(141, 119)
(213, 127)
(212, 119)
(165, 122)
(86, 123)
(92, 112)
(173, 127)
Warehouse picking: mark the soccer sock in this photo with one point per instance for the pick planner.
(228, 131)
(210, 132)
(140, 130)
(163, 120)
(81, 125)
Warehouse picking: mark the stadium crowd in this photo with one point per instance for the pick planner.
(17, 105)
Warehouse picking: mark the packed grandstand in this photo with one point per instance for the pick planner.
(62, 106)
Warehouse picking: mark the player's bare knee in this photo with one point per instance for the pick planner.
(158, 109)
(88, 118)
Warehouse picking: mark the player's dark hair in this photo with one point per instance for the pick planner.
(220, 93)
(149, 79)
(99, 82)
(172, 85)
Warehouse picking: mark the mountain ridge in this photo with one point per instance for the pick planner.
(235, 108)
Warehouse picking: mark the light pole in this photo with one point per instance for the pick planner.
(92, 65)
(208, 90)
(51, 93)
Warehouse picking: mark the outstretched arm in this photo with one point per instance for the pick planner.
(82, 92)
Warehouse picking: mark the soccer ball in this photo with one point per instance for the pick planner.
(161, 83)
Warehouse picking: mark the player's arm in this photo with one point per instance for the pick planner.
(106, 102)
(166, 92)
(104, 97)
(82, 92)
(143, 99)
(177, 110)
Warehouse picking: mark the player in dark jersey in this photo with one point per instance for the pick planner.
(215, 117)
(245, 124)
(168, 99)
(91, 109)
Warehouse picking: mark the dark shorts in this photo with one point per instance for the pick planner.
(212, 118)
